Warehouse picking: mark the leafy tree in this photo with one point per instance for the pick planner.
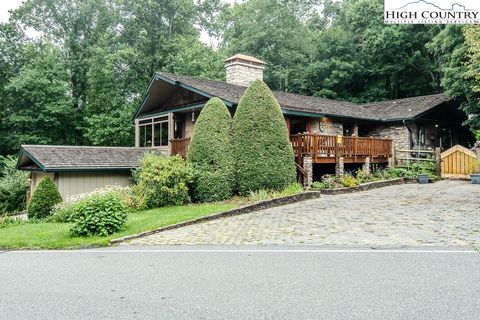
(210, 153)
(37, 99)
(44, 197)
(76, 26)
(472, 106)
(279, 36)
(261, 147)
(13, 186)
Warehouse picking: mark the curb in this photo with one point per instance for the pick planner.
(234, 212)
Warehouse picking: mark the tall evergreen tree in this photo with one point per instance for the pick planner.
(261, 147)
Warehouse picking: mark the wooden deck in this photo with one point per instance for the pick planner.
(180, 147)
(328, 149)
(323, 148)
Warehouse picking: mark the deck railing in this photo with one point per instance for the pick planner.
(323, 146)
(320, 146)
(179, 147)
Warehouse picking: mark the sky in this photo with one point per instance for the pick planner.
(8, 5)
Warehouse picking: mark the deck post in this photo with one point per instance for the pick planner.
(438, 161)
(340, 167)
(366, 166)
(137, 133)
(391, 160)
(308, 167)
(478, 160)
(170, 132)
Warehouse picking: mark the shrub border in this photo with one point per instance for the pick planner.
(277, 202)
(365, 186)
(261, 205)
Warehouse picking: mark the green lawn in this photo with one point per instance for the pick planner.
(47, 235)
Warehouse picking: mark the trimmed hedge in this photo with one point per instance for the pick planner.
(262, 151)
(43, 199)
(210, 153)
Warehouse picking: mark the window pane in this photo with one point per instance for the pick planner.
(157, 134)
(164, 134)
(148, 136)
(142, 136)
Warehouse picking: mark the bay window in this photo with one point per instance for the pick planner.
(154, 132)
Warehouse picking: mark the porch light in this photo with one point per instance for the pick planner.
(193, 115)
(436, 126)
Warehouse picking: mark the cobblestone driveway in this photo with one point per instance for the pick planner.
(446, 213)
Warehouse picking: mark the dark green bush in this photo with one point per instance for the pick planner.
(13, 186)
(262, 151)
(44, 197)
(100, 214)
(210, 153)
(162, 181)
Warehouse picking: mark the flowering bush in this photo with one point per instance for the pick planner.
(68, 210)
(100, 214)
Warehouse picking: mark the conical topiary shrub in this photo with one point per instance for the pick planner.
(210, 153)
(262, 151)
(43, 199)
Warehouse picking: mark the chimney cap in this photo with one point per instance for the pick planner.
(244, 57)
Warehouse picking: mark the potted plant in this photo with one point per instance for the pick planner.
(423, 178)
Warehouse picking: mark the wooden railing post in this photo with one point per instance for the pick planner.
(438, 161)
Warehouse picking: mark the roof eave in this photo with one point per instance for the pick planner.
(159, 76)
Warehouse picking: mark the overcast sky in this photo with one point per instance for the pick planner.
(8, 5)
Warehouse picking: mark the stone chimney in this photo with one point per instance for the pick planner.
(242, 70)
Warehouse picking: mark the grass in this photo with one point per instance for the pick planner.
(49, 235)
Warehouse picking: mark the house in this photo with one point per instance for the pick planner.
(326, 134)
(328, 131)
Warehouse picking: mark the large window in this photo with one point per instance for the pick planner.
(154, 132)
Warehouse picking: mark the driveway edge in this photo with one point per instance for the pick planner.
(366, 186)
(234, 212)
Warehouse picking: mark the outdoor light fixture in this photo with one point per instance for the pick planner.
(436, 126)
(193, 115)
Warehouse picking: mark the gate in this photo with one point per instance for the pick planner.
(458, 162)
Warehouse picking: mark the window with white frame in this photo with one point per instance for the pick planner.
(154, 132)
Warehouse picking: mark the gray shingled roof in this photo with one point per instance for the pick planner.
(288, 101)
(73, 158)
(401, 109)
(405, 108)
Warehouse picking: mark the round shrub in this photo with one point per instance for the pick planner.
(99, 215)
(210, 153)
(162, 181)
(44, 197)
(262, 151)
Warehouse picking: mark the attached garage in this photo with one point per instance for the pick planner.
(77, 170)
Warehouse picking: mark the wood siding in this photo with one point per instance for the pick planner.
(458, 162)
(72, 183)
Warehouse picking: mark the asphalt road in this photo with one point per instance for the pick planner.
(240, 283)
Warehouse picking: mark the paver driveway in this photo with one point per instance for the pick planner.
(446, 213)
